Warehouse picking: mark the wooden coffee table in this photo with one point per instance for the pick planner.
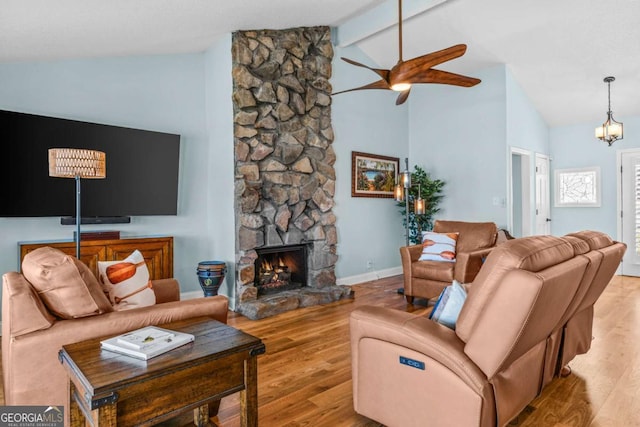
(112, 389)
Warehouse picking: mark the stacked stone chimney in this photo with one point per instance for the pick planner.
(285, 178)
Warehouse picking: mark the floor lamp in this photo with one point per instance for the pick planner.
(402, 195)
(77, 163)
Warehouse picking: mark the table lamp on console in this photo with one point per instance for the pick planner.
(77, 163)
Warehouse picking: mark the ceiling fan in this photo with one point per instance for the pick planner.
(416, 70)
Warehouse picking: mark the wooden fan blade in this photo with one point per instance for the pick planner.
(403, 96)
(380, 84)
(405, 71)
(443, 77)
(382, 73)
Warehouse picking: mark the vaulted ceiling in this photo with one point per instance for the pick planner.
(558, 51)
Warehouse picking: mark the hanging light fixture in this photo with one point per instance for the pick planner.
(610, 131)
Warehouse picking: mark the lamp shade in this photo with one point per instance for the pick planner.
(77, 162)
(406, 178)
(610, 131)
(418, 206)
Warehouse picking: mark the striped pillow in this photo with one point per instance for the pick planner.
(439, 246)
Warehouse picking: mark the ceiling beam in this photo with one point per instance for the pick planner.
(379, 19)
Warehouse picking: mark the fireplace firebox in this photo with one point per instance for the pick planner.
(280, 268)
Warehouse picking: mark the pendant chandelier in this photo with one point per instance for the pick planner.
(610, 131)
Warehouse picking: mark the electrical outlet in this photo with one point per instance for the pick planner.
(369, 264)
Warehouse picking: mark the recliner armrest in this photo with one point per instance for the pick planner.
(417, 333)
(411, 253)
(468, 264)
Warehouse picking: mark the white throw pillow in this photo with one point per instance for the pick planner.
(439, 246)
(126, 282)
(449, 304)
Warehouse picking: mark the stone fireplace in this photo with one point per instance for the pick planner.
(285, 179)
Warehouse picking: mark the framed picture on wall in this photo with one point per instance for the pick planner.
(373, 175)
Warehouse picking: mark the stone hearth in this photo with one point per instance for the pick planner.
(285, 179)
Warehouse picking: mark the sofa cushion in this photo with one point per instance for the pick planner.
(472, 235)
(595, 239)
(66, 285)
(433, 270)
(26, 311)
(580, 246)
(438, 246)
(127, 282)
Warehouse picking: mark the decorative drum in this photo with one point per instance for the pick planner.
(210, 275)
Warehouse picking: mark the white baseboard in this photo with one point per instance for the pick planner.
(369, 276)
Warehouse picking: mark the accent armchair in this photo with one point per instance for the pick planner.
(426, 279)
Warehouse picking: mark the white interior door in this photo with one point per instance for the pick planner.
(543, 200)
(629, 186)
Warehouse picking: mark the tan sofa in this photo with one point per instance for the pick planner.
(426, 279)
(528, 312)
(32, 335)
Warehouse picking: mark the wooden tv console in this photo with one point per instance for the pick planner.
(157, 252)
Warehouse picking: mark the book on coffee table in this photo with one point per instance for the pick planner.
(147, 342)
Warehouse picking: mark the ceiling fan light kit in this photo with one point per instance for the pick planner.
(418, 70)
(401, 87)
(610, 131)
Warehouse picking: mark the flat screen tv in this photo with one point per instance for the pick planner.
(142, 170)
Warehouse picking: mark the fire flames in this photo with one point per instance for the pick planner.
(274, 274)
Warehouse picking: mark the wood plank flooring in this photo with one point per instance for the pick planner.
(304, 379)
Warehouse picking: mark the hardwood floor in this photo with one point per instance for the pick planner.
(304, 379)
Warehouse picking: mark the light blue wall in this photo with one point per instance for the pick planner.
(525, 126)
(459, 135)
(366, 121)
(161, 93)
(219, 194)
(575, 147)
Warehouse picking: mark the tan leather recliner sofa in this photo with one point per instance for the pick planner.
(426, 279)
(528, 312)
(32, 335)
